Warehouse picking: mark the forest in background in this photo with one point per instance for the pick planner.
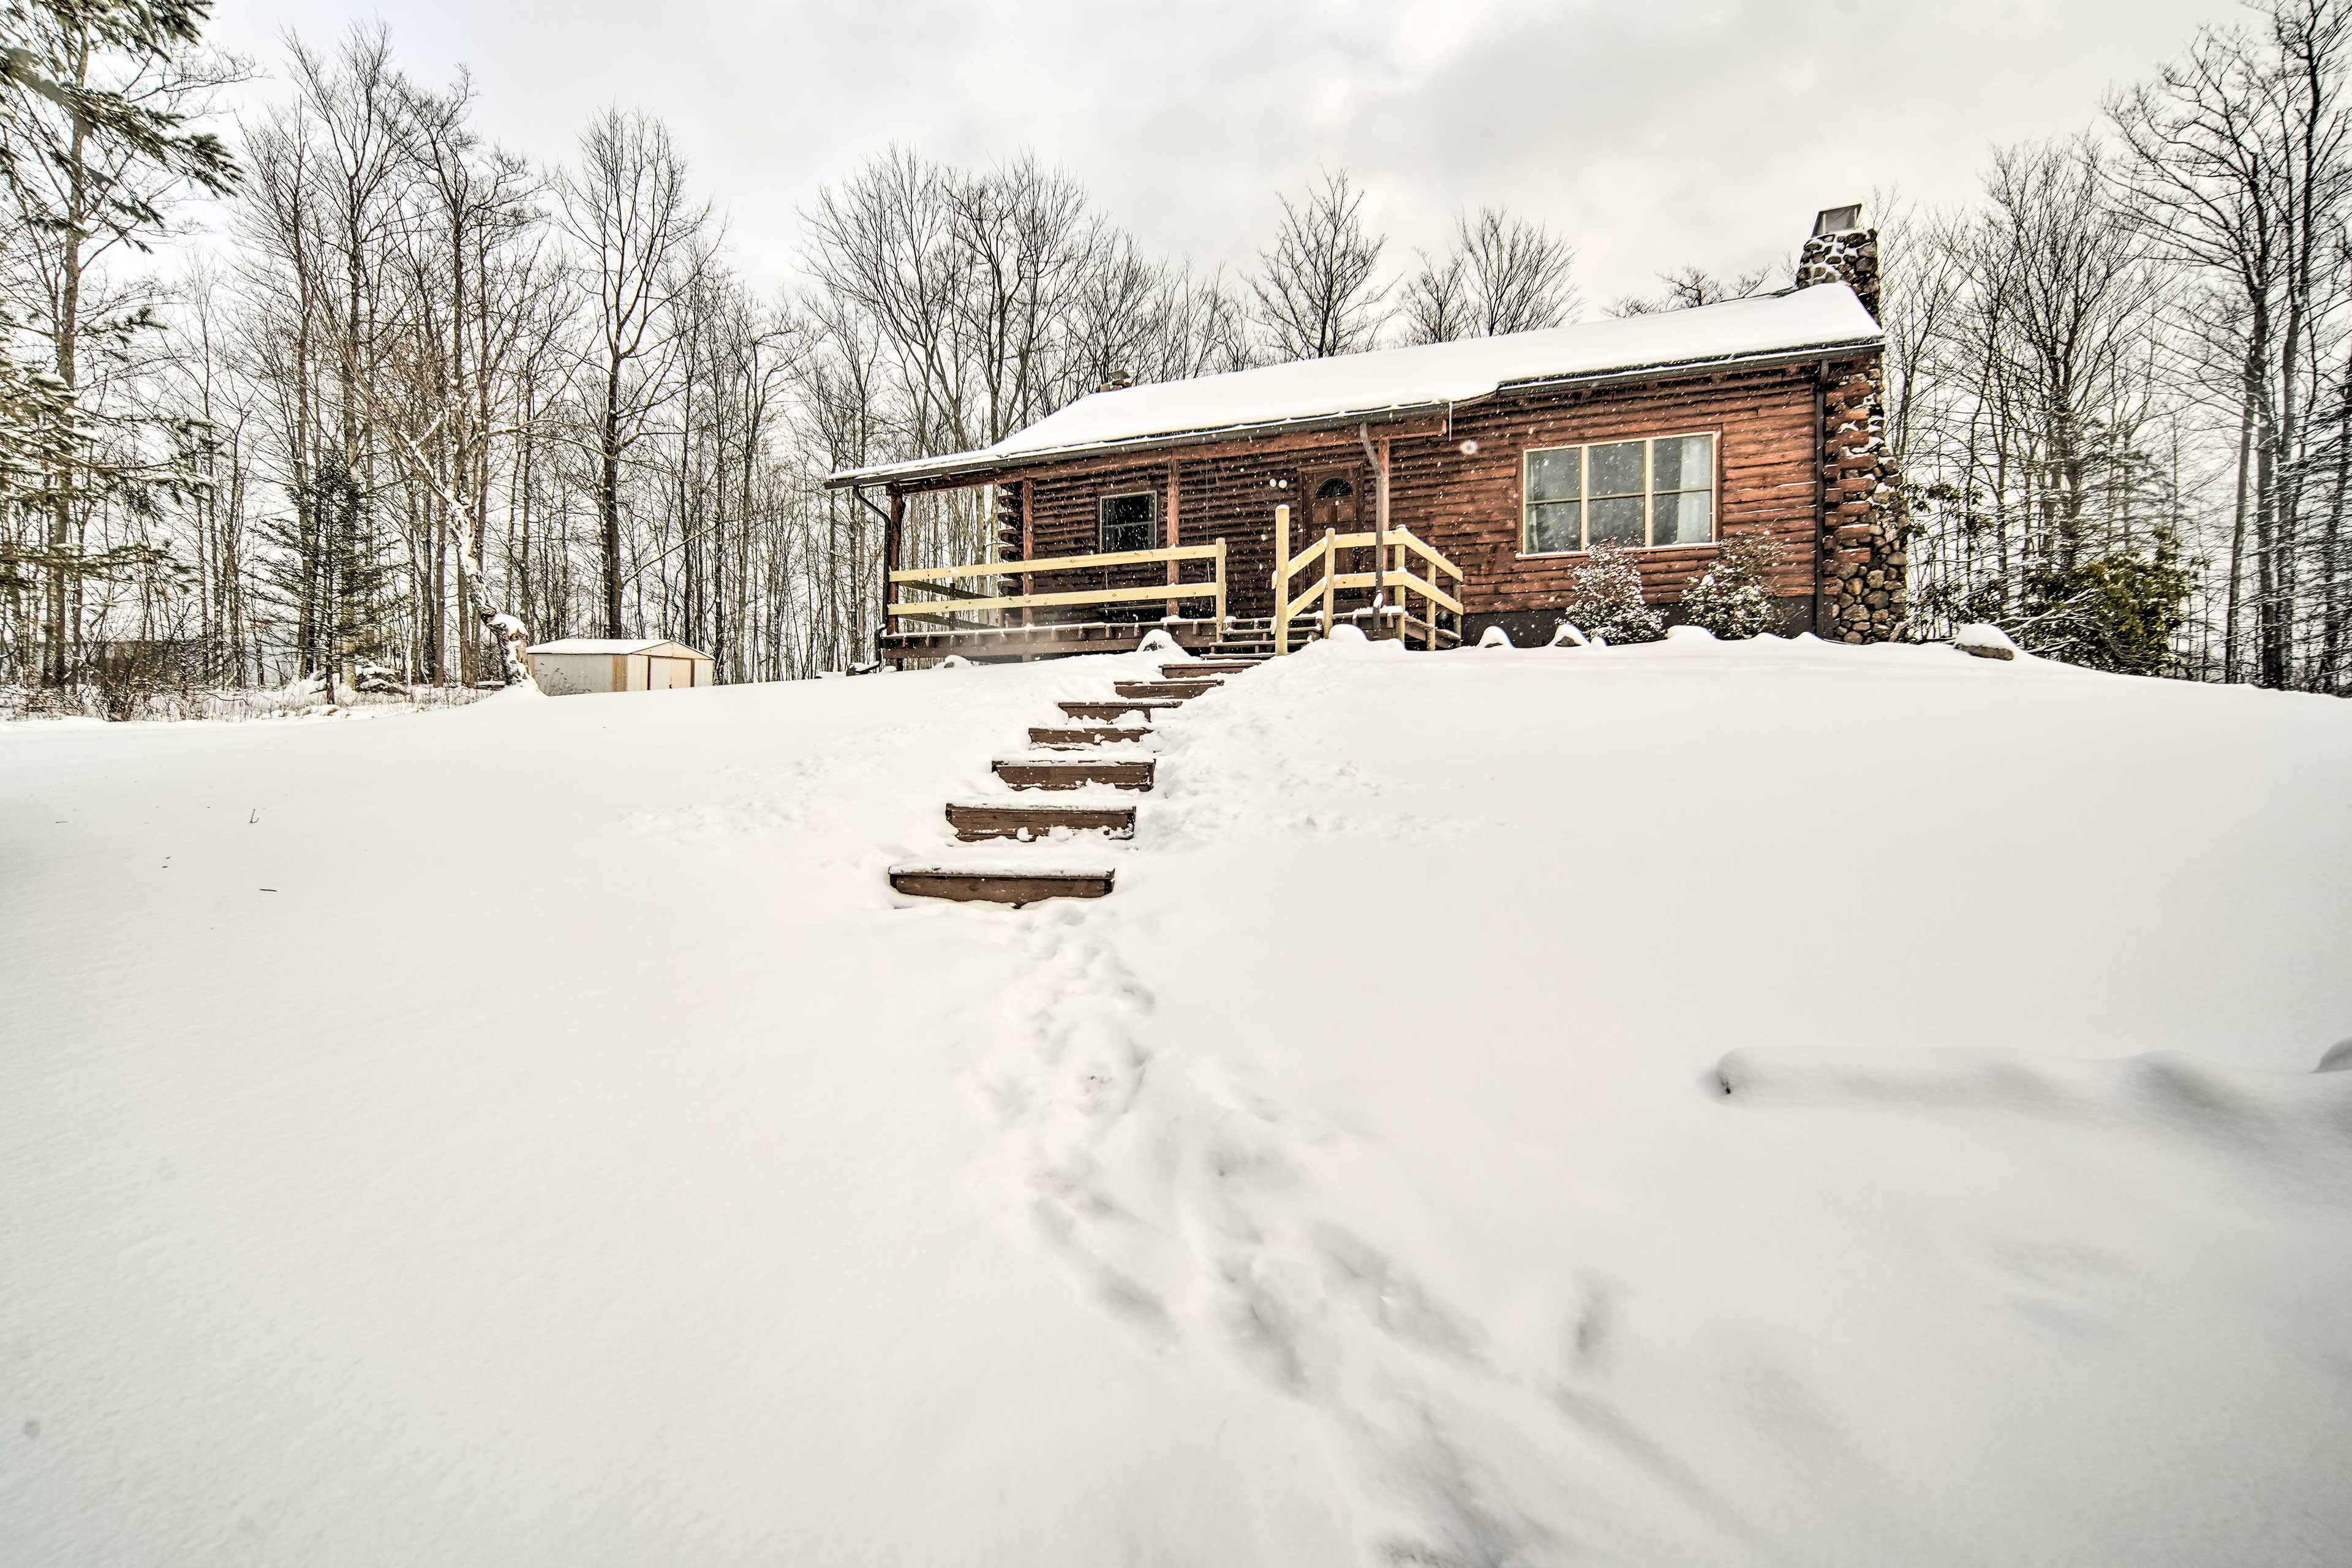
(409, 389)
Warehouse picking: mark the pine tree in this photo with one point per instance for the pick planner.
(94, 140)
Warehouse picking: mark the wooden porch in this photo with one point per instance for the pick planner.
(1389, 581)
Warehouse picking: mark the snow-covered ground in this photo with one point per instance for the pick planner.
(1691, 1104)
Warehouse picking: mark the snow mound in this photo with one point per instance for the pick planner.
(1985, 640)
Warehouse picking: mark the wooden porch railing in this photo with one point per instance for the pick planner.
(963, 601)
(1394, 578)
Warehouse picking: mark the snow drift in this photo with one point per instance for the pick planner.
(612, 1168)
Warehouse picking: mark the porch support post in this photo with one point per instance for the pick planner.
(1175, 536)
(1028, 547)
(890, 539)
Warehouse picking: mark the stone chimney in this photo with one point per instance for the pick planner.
(1120, 380)
(1842, 250)
(1864, 591)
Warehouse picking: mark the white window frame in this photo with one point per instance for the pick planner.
(1102, 511)
(1583, 449)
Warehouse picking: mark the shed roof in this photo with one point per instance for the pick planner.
(612, 645)
(1389, 383)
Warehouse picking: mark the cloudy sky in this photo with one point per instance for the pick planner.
(1653, 133)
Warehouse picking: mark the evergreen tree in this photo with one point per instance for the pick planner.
(1733, 597)
(95, 101)
(1604, 598)
(331, 571)
(2115, 612)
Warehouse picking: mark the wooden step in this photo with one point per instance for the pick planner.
(1000, 885)
(1079, 735)
(1076, 772)
(1109, 711)
(1175, 689)
(1200, 667)
(975, 819)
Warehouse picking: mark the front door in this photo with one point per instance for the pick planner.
(1331, 498)
(1335, 500)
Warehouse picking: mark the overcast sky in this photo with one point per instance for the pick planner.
(1652, 132)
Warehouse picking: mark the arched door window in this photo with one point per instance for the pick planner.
(1330, 502)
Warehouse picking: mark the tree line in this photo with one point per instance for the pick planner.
(411, 397)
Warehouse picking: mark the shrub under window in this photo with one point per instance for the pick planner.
(1647, 492)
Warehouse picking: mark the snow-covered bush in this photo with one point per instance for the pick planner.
(1604, 598)
(1733, 597)
(1985, 640)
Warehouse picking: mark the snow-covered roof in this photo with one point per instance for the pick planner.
(1388, 382)
(609, 645)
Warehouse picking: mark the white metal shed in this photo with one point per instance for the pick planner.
(569, 666)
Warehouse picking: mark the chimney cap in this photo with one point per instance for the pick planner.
(1117, 381)
(1837, 220)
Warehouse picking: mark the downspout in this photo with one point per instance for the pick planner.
(1379, 531)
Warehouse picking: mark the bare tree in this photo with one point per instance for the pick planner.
(1315, 290)
(627, 211)
(1502, 275)
(1688, 287)
(2235, 165)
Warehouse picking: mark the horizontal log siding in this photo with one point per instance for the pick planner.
(1467, 508)
(1067, 520)
(1232, 498)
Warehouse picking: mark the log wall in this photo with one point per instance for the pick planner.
(1769, 452)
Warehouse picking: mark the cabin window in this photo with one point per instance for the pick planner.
(1639, 493)
(1130, 522)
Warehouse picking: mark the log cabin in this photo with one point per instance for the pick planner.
(1434, 492)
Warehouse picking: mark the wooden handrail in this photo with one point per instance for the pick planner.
(1412, 541)
(1044, 563)
(1392, 576)
(1398, 574)
(962, 601)
(1082, 596)
(1298, 563)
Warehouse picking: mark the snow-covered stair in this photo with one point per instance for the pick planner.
(1076, 737)
(1000, 819)
(1062, 769)
(1076, 762)
(1009, 882)
(1112, 712)
(1163, 689)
